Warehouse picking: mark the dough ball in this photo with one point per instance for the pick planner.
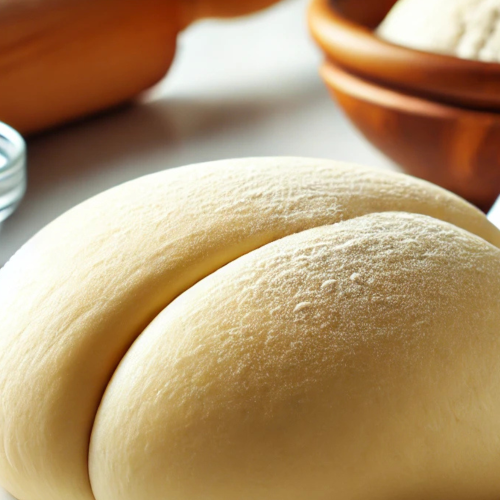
(76, 297)
(354, 361)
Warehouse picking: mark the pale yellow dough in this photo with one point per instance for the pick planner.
(357, 361)
(362, 346)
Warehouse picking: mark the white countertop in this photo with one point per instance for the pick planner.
(242, 88)
(494, 214)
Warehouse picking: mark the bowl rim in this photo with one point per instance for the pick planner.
(469, 83)
(349, 83)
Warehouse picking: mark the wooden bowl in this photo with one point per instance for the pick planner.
(344, 30)
(455, 148)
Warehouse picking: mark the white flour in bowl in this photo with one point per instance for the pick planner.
(469, 29)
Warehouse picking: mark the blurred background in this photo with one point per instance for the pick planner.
(237, 88)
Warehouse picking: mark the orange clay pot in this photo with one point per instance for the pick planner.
(65, 59)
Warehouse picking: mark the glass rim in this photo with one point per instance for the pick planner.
(16, 153)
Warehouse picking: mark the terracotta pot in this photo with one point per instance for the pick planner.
(455, 148)
(344, 30)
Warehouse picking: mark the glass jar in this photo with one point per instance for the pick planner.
(12, 170)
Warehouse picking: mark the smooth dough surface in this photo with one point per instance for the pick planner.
(76, 296)
(355, 361)
(469, 29)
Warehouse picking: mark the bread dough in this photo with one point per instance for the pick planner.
(468, 29)
(262, 382)
(75, 298)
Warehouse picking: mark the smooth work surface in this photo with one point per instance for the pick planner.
(248, 87)
(494, 214)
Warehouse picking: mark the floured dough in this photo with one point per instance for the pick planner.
(357, 361)
(74, 299)
(468, 29)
